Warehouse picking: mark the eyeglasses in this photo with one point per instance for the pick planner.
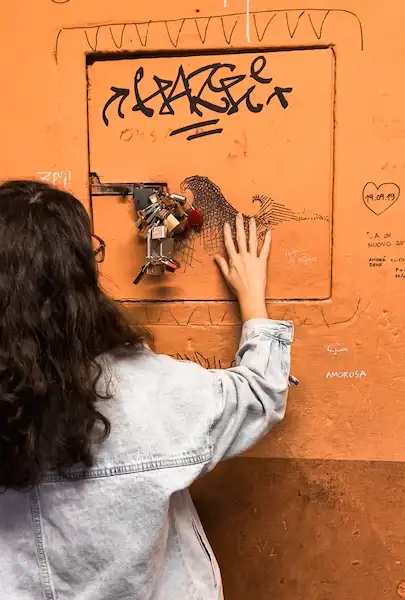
(99, 252)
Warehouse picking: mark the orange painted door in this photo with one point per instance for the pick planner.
(245, 131)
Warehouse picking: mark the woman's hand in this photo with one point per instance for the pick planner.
(246, 270)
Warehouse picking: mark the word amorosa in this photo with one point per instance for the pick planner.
(345, 374)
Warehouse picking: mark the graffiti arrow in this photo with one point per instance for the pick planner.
(122, 94)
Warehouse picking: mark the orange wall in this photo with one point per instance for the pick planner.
(332, 163)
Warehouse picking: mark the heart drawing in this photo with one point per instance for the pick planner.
(378, 199)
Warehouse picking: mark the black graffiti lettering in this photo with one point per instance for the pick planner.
(181, 82)
(122, 94)
(255, 72)
(163, 85)
(209, 83)
(161, 88)
(194, 98)
(209, 106)
(279, 92)
(214, 69)
(231, 105)
(140, 104)
(221, 91)
(201, 134)
(249, 105)
(228, 82)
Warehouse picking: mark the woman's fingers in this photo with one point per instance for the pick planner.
(229, 243)
(241, 239)
(240, 234)
(265, 251)
(252, 236)
(223, 265)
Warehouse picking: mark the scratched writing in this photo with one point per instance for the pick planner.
(212, 88)
(335, 349)
(381, 262)
(388, 260)
(62, 178)
(294, 257)
(376, 261)
(345, 374)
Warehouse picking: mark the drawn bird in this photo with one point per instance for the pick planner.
(216, 209)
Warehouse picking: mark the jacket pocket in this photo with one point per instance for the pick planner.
(205, 549)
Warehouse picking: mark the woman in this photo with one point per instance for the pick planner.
(100, 437)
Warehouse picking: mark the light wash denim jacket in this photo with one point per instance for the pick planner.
(126, 529)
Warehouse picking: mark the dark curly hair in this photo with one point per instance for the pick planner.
(55, 323)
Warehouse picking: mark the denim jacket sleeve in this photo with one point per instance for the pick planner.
(253, 394)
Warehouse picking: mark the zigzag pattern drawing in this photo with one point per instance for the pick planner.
(224, 314)
(264, 23)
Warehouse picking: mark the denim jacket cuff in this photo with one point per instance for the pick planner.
(281, 330)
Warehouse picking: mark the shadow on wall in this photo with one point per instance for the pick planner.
(306, 529)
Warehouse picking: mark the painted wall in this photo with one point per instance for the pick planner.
(302, 115)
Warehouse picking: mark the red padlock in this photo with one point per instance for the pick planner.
(194, 218)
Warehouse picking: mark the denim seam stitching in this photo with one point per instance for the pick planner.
(128, 469)
(43, 564)
(205, 550)
(185, 563)
(279, 337)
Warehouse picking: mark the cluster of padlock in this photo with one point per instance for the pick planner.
(162, 216)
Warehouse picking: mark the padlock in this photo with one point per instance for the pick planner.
(193, 219)
(171, 223)
(159, 219)
(145, 214)
(154, 198)
(141, 198)
(167, 247)
(171, 266)
(140, 274)
(153, 214)
(178, 198)
(155, 268)
(159, 232)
